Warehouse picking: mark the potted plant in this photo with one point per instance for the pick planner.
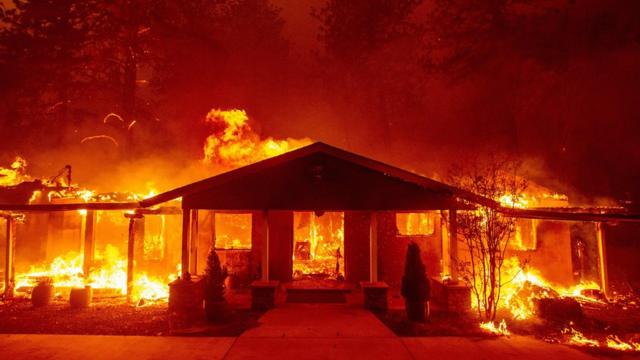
(415, 284)
(214, 302)
(42, 292)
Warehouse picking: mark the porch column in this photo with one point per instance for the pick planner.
(602, 259)
(193, 269)
(373, 247)
(89, 241)
(9, 276)
(453, 245)
(264, 263)
(186, 224)
(131, 252)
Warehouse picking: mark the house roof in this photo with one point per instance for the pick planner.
(346, 174)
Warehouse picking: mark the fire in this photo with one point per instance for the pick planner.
(491, 327)
(15, 173)
(524, 286)
(235, 143)
(577, 338)
(110, 273)
(318, 245)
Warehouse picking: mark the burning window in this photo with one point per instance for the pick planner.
(233, 231)
(525, 235)
(318, 245)
(415, 224)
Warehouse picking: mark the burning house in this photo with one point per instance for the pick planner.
(313, 221)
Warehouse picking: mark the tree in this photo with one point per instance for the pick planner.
(485, 232)
(415, 284)
(214, 278)
(370, 53)
(44, 43)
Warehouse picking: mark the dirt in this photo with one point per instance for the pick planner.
(114, 317)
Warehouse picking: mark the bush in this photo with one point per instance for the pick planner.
(214, 278)
(415, 284)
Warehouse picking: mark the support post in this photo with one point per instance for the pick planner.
(9, 276)
(373, 248)
(89, 242)
(453, 245)
(131, 253)
(602, 259)
(265, 247)
(193, 247)
(186, 224)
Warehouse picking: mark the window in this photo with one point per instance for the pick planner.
(416, 224)
(233, 231)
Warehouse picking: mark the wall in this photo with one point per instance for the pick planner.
(392, 249)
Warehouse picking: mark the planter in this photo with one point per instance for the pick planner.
(215, 310)
(80, 298)
(263, 294)
(375, 295)
(41, 295)
(415, 310)
(186, 295)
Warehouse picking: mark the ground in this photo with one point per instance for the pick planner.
(114, 317)
(295, 330)
(292, 331)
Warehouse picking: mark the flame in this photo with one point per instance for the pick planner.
(577, 338)
(319, 242)
(110, 272)
(522, 287)
(15, 173)
(234, 143)
(491, 327)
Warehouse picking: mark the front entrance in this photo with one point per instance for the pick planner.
(318, 246)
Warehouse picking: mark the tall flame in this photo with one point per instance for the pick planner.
(234, 142)
(15, 173)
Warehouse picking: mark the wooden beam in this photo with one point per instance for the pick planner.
(265, 247)
(69, 207)
(602, 259)
(453, 245)
(186, 224)
(89, 242)
(568, 216)
(193, 263)
(131, 253)
(373, 247)
(9, 270)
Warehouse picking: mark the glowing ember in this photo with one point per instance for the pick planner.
(234, 143)
(500, 330)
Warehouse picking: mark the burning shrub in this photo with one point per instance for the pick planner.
(415, 284)
(559, 309)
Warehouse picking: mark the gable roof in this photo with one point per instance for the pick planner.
(319, 148)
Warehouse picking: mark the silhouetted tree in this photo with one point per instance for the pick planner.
(485, 232)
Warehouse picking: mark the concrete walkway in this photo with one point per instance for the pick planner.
(293, 331)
